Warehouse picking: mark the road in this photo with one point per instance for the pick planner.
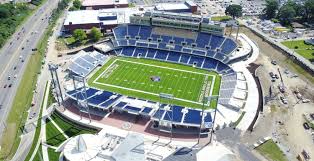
(15, 54)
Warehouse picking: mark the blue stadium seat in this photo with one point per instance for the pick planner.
(220, 56)
(120, 105)
(161, 55)
(146, 110)
(140, 51)
(159, 114)
(155, 37)
(210, 64)
(198, 61)
(221, 67)
(145, 32)
(177, 114)
(192, 117)
(127, 51)
(202, 39)
(120, 32)
(132, 42)
(177, 48)
(151, 53)
(189, 41)
(98, 99)
(228, 46)
(165, 39)
(178, 40)
(133, 30)
(174, 56)
(184, 58)
(216, 41)
(132, 109)
(210, 53)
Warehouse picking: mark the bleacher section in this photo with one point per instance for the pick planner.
(204, 44)
(94, 97)
(85, 62)
(177, 114)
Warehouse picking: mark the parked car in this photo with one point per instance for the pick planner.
(276, 76)
(284, 100)
(5, 86)
(306, 126)
(10, 85)
(274, 62)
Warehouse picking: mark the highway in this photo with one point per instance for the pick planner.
(14, 57)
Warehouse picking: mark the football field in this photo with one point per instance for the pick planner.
(146, 79)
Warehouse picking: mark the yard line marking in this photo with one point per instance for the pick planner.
(131, 89)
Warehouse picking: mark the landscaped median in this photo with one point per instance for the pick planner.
(14, 125)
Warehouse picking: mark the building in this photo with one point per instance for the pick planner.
(187, 6)
(104, 4)
(102, 19)
(179, 21)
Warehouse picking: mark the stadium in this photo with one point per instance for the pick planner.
(171, 70)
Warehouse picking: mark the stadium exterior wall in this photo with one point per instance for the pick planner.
(70, 28)
(98, 7)
(76, 121)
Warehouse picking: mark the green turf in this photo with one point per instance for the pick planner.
(307, 51)
(39, 154)
(132, 77)
(53, 136)
(38, 129)
(53, 156)
(70, 128)
(271, 151)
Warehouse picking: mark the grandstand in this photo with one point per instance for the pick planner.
(204, 49)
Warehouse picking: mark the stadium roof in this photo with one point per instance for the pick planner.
(131, 149)
(103, 2)
(92, 16)
(171, 6)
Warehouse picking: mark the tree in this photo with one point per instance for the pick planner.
(234, 10)
(79, 35)
(95, 34)
(286, 14)
(4, 13)
(271, 9)
(77, 4)
(309, 10)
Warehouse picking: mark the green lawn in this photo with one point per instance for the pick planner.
(37, 133)
(133, 77)
(307, 51)
(53, 135)
(271, 151)
(39, 154)
(53, 156)
(70, 128)
(221, 18)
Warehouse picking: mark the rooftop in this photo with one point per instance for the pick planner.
(103, 2)
(92, 16)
